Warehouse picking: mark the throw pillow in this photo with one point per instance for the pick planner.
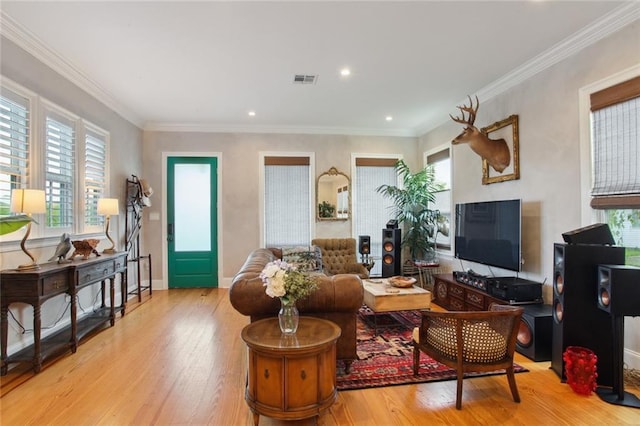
(304, 258)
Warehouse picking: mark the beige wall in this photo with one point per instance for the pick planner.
(240, 165)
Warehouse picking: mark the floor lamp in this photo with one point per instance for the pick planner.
(108, 207)
(28, 201)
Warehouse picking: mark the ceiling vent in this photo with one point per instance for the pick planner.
(305, 79)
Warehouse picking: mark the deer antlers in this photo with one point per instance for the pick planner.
(470, 109)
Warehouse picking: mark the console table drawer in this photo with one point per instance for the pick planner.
(456, 305)
(475, 299)
(54, 284)
(94, 273)
(456, 291)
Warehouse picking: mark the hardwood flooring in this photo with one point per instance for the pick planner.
(178, 359)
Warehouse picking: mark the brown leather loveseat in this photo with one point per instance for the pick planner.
(338, 299)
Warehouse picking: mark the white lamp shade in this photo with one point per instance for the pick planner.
(108, 206)
(29, 201)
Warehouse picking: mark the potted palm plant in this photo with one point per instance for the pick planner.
(412, 209)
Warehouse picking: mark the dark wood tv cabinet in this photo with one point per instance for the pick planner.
(34, 287)
(455, 296)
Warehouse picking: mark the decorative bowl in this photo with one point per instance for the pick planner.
(402, 282)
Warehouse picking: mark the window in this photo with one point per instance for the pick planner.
(14, 145)
(288, 211)
(371, 210)
(59, 171)
(95, 175)
(615, 131)
(441, 161)
(60, 153)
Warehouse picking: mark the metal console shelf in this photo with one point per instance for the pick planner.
(136, 199)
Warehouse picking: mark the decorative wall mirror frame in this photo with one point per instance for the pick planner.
(333, 196)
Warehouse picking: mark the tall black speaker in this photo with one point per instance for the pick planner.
(364, 244)
(577, 320)
(534, 334)
(391, 264)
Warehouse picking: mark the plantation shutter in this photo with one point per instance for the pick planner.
(616, 154)
(287, 201)
(95, 176)
(14, 146)
(59, 172)
(372, 211)
(441, 163)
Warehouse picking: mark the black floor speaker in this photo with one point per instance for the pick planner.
(391, 264)
(534, 334)
(577, 320)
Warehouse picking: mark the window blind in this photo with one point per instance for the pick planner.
(14, 145)
(287, 202)
(59, 172)
(95, 176)
(616, 155)
(372, 211)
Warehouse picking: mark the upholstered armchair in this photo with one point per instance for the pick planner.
(470, 341)
(339, 256)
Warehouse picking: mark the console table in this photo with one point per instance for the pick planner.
(35, 287)
(455, 296)
(291, 377)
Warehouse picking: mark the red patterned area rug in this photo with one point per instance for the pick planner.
(386, 359)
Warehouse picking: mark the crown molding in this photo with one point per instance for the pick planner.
(29, 42)
(232, 128)
(609, 24)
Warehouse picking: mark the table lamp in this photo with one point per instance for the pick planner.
(108, 207)
(28, 201)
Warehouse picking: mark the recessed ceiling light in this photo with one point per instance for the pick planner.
(388, 118)
(345, 72)
(252, 113)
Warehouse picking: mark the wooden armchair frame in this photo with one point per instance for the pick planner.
(477, 341)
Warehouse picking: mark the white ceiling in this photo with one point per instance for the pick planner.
(204, 65)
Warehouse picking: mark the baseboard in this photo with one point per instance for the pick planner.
(631, 359)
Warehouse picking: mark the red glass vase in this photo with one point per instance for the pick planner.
(581, 369)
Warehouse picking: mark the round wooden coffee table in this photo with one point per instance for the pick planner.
(291, 377)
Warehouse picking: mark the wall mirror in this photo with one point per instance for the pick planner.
(333, 195)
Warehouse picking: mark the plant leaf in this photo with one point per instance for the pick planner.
(10, 224)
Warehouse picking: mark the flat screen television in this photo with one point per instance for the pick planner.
(490, 233)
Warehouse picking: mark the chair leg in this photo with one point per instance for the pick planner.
(512, 384)
(416, 359)
(459, 389)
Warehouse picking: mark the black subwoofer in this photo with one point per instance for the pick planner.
(391, 264)
(577, 320)
(534, 334)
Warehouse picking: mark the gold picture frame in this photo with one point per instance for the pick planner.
(506, 129)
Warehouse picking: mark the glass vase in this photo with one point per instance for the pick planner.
(288, 317)
(580, 369)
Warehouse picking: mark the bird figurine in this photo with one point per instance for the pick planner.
(63, 248)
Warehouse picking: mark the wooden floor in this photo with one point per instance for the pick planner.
(178, 359)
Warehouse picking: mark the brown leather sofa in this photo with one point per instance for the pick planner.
(338, 299)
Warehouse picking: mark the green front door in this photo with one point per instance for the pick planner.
(191, 222)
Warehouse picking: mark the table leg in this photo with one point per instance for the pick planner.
(256, 419)
(37, 323)
(4, 310)
(112, 300)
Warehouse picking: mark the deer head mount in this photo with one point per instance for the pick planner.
(495, 151)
